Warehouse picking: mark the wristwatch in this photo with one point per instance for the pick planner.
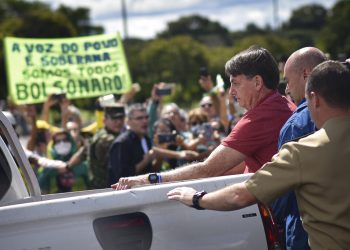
(195, 199)
(154, 178)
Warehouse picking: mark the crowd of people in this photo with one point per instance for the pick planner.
(125, 138)
(153, 142)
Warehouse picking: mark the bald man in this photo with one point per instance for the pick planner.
(296, 73)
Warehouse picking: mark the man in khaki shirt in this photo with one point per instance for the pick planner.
(317, 167)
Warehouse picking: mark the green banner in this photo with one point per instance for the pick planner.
(81, 67)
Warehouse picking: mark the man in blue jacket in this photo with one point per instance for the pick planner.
(296, 72)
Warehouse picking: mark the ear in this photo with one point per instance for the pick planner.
(314, 99)
(306, 73)
(258, 82)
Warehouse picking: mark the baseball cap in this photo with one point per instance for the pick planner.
(114, 110)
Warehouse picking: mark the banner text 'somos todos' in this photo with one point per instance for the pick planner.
(81, 67)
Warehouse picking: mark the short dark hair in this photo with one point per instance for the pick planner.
(135, 107)
(331, 80)
(255, 61)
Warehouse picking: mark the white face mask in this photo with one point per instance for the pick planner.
(63, 148)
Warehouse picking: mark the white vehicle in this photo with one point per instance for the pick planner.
(139, 218)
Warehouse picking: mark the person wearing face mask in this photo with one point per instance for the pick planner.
(61, 147)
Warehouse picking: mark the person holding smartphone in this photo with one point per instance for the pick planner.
(165, 145)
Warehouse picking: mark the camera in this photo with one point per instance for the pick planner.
(166, 138)
(203, 71)
(59, 96)
(205, 129)
(163, 91)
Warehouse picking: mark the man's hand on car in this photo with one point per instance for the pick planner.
(128, 182)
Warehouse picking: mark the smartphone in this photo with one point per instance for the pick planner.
(207, 130)
(163, 91)
(166, 138)
(59, 96)
(203, 71)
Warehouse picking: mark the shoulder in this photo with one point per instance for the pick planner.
(307, 144)
(99, 133)
(102, 136)
(124, 137)
(300, 119)
(277, 102)
(273, 107)
(299, 124)
(314, 138)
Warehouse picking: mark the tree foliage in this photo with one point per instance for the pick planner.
(277, 45)
(335, 37)
(311, 17)
(187, 44)
(176, 60)
(80, 19)
(200, 29)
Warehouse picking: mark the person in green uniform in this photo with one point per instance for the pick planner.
(114, 118)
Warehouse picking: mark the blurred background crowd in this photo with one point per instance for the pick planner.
(77, 154)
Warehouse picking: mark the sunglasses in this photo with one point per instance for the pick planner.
(139, 118)
(204, 105)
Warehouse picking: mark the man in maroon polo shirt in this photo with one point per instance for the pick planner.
(254, 77)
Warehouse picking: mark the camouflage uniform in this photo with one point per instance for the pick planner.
(99, 148)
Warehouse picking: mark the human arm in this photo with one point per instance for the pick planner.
(65, 113)
(238, 169)
(193, 143)
(160, 153)
(147, 158)
(229, 198)
(77, 157)
(44, 162)
(46, 108)
(220, 161)
(223, 108)
(31, 114)
(206, 83)
(167, 153)
(280, 175)
(152, 110)
(126, 97)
